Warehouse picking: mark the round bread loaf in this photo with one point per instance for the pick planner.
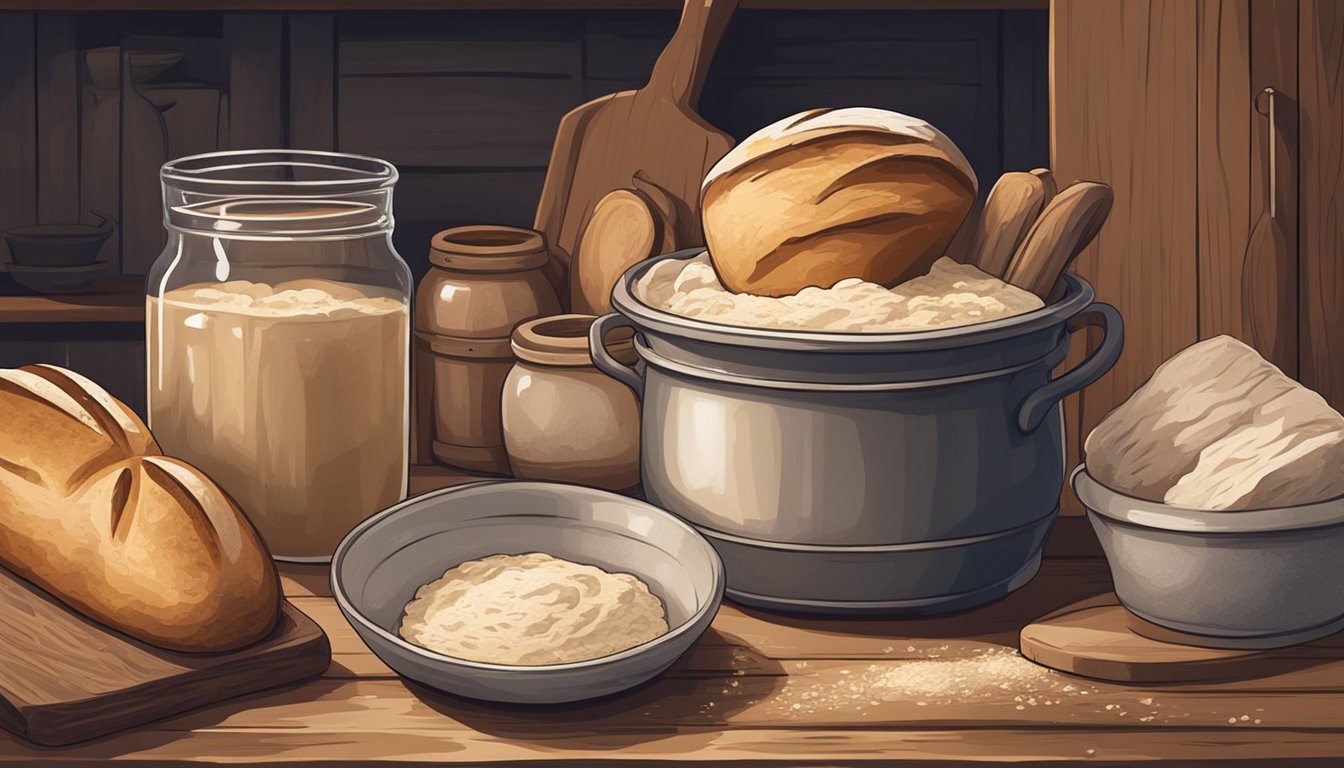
(834, 193)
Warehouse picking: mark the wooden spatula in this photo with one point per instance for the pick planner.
(1011, 208)
(1061, 232)
(600, 145)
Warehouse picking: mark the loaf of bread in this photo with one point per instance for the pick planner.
(834, 193)
(94, 514)
(1218, 427)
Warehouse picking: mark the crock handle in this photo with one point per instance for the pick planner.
(1039, 403)
(604, 360)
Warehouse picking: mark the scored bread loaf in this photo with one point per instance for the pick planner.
(834, 193)
(94, 514)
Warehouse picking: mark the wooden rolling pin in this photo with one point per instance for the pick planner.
(1011, 208)
(1064, 229)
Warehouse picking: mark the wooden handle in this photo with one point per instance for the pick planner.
(1010, 210)
(1048, 181)
(1063, 230)
(684, 63)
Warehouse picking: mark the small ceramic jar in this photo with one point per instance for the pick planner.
(564, 420)
(483, 282)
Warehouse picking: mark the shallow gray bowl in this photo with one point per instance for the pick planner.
(380, 564)
(1262, 578)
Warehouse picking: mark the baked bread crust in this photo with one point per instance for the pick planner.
(92, 512)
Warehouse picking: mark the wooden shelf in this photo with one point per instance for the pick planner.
(118, 300)
(48, 6)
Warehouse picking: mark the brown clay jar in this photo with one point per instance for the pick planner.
(484, 281)
(564, 420)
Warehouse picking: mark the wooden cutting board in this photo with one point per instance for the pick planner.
(64, 678)
(655, 130)
(1094, 638)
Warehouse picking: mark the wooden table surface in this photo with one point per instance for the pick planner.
(762, 689)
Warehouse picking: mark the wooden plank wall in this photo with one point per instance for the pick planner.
(467, 105)
(1124, 111)
(18, 129)
(1171, 122)
(1321, 90)
(57, 119)
(1243, 47)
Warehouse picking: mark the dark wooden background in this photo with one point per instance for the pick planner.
(465, 103)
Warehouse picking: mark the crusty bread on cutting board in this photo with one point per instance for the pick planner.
(92, 512)
(834, 193)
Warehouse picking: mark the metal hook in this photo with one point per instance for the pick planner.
(1273, 146)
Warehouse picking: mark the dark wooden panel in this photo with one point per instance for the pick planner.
(1321, 41)
(624, 45)
(504, 122)
(1140, 139)
(427, 202)
(57, 119)
(256, 107)
(928, 46)
(18, 136)
(389, 44)
(1026, 94)
(498, 197)
(740, 107)
(15, 352)
(312, 81)
(558, 58)
(119, 366)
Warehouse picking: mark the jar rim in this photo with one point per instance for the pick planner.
(489, 248)
(563, 340)
(214, 173)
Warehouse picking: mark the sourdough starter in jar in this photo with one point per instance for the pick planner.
(231, 394)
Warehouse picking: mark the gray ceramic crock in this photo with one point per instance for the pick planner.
(1261, 578)
(852, 472)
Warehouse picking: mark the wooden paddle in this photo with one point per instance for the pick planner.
(600, 145)
(1064, 229)
(1010, 210)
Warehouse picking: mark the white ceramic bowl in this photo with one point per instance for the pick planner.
(1260, 578)
(380, 564)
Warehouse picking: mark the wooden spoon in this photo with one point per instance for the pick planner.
(1064, 229)
(1012, 207)
(622, 231)
(1048, 181)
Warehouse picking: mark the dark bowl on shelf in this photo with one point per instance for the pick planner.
(57, 279)
(58, 245)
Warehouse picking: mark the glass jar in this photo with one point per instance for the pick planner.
(278, 322)
(563, 419)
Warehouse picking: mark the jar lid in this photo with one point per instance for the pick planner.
(489, 248)
(563, 340)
